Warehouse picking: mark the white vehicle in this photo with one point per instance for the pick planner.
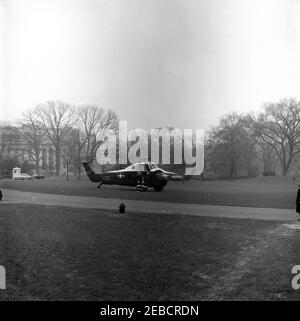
(17, 175)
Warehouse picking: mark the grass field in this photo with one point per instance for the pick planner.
(273, 192)
(53, 253)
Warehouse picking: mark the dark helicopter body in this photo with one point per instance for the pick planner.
(140, 175)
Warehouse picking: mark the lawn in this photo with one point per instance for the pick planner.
(53, 253)
(272, 192)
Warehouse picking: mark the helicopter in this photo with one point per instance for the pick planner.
(142, 175)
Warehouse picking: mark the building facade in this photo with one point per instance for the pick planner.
(15, 151)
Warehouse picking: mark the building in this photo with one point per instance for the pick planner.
(15, 151)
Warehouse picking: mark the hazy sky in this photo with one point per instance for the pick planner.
(157, 63)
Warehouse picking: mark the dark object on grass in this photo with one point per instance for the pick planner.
(122, 208)
(1, 195)
(298, 200)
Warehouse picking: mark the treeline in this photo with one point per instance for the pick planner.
(74, 133)
(245, 145)
(240, 145)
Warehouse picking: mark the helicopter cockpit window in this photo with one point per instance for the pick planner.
(153, 166)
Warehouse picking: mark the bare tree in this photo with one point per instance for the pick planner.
(265, 152)
(57, 119)
(95, 123)
(278, 126)
(268, 156)
(9, 139)
(230, 148)
(80, 143)
(33, 136)
(69, 152)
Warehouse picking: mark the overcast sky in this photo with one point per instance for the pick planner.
(157, 63)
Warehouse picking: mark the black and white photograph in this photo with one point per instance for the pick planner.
(149, 152)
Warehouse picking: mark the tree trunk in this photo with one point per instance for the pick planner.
(57, 161)
(284, 170)
(286, 167)
(67, 165)
(79, 156)
(79, 171)
(37, 166)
